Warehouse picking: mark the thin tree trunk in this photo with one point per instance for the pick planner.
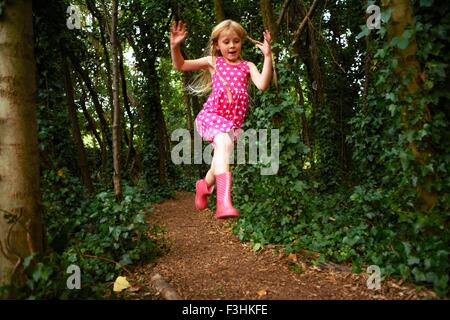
(163, 146)
(218, 9)
(117, 112)
(196, 107)
(316, 70)
(131, 150)
(81, 151)
(136, 163)
(271, 25)
(21, 226)
(101, 22)
(104, 128)
(93, 129)
(95, 100)
(305, 127)
(187, 103)
(306, 20)
(268, 18)
(341, 100)
(148, 68)
(309, 53)
(281, 16)
(367, 62)
(107, 66)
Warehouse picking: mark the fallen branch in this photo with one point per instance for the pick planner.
(107, 260)
(166, 291)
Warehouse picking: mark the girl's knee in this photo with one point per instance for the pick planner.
(223, 141)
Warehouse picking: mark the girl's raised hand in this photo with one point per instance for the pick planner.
(178, 33)
(265, 47)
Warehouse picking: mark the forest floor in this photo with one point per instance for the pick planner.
(206, 261)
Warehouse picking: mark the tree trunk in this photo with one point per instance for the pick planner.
(152, 112)
(268, 18)
(306, 19)
(162, 147)
(104, 128)
(341, 98)
(402, 17)
(219, 12)
(284, 8)
(305, 127)
(95, 100)
(311, 59)
(136, 162)
(187, 102)
(81, 152)
(19, 155)
(117, 112)
(131, 150)
(102, 25)
(93, 128)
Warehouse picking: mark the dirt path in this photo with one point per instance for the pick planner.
(206, 261)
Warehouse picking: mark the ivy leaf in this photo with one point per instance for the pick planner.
(364, 33)
(404, 159)
(426, 3)
(403, 42)
(27, 261)
(125, 259)
(413, 260)
(293, 138)
(386, 15)
(391, 96)
(299, 186)
(407, 247)
(393, 109)
(256, 247)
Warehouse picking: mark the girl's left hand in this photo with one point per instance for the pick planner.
(265, 47)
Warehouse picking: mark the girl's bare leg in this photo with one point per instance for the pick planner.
(222, 151)
(210, 178)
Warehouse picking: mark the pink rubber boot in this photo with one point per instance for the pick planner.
(201, 193)
(224, 207)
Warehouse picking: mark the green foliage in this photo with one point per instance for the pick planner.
(99, 235)
(373, 214)
(348, 180)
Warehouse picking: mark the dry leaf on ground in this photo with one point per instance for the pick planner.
(121, 284)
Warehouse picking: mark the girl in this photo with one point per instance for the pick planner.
(223, 114)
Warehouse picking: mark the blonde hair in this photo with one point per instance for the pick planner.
(201, 83)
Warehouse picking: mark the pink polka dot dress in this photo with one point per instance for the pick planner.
(225, 109)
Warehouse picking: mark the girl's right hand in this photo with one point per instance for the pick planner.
(178, 34)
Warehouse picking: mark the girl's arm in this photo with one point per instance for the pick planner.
(177, 35)
(189, 65)
(262, 80)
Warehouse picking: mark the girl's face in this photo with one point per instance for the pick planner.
(229, 44)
